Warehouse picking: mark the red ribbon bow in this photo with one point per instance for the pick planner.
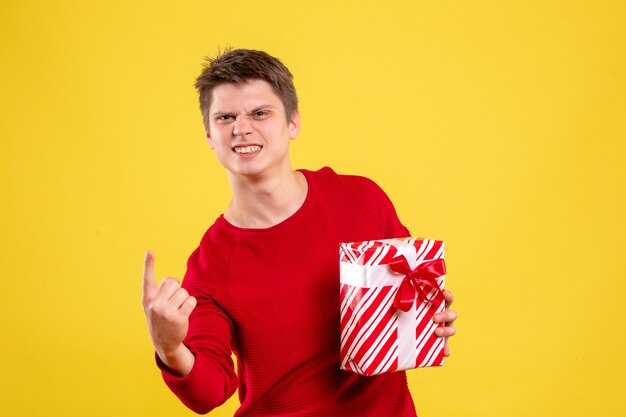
(415, 280)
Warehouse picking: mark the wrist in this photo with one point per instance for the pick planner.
(178, 360)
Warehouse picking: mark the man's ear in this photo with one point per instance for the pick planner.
(209, 140)
(294, 124)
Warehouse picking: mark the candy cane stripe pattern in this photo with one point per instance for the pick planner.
(377, 337)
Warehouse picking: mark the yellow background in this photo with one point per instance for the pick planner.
(496, 126)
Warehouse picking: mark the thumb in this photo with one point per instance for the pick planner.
(149, 280)
(188, 305)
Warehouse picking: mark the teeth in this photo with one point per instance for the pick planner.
(247, 149)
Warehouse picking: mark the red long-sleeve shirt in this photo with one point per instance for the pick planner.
(272, 296)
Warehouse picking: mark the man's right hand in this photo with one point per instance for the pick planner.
(167, 309)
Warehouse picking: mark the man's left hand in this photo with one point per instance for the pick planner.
(447, 317)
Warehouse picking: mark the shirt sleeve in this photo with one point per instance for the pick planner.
(212, 380)
(392, 225)
(380, 206)
(366, 193)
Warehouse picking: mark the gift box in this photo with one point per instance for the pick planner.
(390, 290)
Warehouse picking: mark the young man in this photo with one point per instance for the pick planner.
(264, 281)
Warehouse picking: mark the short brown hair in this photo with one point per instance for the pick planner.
(240, 65)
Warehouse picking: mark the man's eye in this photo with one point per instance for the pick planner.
(260, 113)
(225, 117)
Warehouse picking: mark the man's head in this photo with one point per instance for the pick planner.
(239, 66)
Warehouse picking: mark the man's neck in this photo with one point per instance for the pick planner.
(266, 201)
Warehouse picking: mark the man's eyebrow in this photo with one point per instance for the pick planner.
(220, 113)
(261, 107)
(254, 110)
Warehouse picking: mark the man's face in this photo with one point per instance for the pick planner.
(248, 129)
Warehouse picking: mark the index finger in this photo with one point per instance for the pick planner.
(447, 295)
(149, 280)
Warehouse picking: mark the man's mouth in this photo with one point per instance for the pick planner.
(247, 149)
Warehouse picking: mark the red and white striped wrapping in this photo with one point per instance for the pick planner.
(376, 337)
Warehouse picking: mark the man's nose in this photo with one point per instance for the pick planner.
(242, 126)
